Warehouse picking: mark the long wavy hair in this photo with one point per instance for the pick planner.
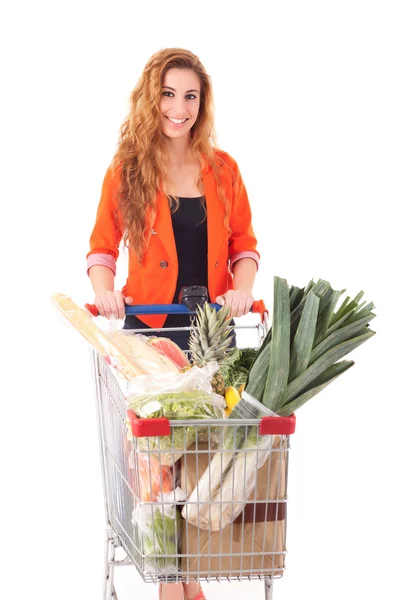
(142, 156)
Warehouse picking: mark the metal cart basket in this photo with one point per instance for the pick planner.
(250, 546)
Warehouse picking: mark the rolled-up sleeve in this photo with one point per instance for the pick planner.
(107, 232)
(242, 241)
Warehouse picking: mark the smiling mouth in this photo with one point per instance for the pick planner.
(176, 121)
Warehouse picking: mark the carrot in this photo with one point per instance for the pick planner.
(150, 469)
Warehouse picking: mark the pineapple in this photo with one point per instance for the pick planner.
(210, 340)
(218, 383)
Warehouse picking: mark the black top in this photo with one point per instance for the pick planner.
(190, 230)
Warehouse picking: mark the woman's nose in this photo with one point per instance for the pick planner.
(180, 108)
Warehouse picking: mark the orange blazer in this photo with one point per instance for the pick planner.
(154, 281)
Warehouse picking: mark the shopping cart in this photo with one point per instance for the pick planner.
(252, 546)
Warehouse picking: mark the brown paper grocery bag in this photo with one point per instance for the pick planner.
(255, 543)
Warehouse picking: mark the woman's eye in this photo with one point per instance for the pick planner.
(189, 96)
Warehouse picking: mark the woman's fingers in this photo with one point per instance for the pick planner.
(101, 306)
(235, 308)
(110, 307)
(241, 304)
(117, 305)
(248, 304)
(239, 301)
(120, 305)
(111, 303)
(233, 303)
(225, 300)
(240, 308)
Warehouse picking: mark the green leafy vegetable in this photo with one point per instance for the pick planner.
(188, 405)
(319, 337)
(278, 373)
(235, 367)
(158, 528)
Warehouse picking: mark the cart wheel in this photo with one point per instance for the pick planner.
(268, 588)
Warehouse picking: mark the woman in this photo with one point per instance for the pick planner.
(181, 207)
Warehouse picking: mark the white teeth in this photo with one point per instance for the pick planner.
(177, 121)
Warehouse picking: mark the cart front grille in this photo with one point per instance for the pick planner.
(251, 545)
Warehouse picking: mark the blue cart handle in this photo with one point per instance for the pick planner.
(171, 309)
(162, 309)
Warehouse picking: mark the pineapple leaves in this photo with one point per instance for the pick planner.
(211, 336)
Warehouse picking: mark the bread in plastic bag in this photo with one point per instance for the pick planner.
(128, 353)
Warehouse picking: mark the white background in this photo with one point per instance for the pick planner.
(307, 101)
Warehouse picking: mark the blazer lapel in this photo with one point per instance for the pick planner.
(162, 227)
(216, 231)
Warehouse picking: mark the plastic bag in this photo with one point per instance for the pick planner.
(236, 437)
(183, 396)
(150, 476)
(158, 529)
(195, 378)
(170, 349)
(229, 480)
(136, 350)
(128, 353)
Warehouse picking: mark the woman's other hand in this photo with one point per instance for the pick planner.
(239, 301)
(110, 303)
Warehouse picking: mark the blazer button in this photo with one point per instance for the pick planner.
(163, 264)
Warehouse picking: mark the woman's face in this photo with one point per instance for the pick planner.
(180, 102)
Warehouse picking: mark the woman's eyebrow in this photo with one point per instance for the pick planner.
(171, 88)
